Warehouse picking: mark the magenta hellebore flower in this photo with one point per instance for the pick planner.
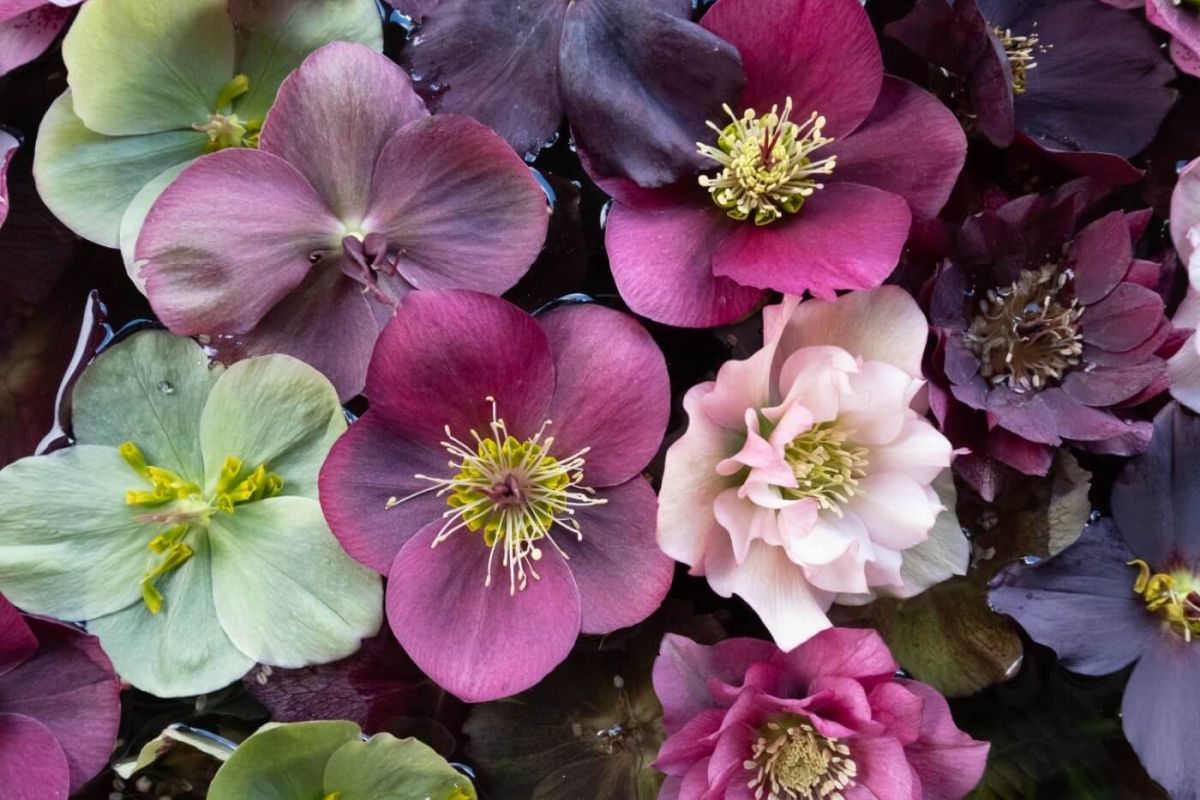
(1067, 75)
(8, 148)
(354, 197)
(60, 704)
(27, 28)
(1129, 591)
(828, 721)
(1047, 328)
(496, 481)
(812, 182)
(1179, 18)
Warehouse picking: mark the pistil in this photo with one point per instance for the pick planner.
(225, 128)
(1175, 597)
(791, 761)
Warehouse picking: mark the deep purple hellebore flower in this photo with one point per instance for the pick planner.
(1045, 328)
(1129, 590)
(495, 481)
(814, 177)
(1068, 75)
(27, 28)
(60, 703)
(1181, 19)
(827, 721)
(354, 197)
(636, 78)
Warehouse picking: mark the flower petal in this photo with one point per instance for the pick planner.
(286, 762)
(28, 34)
(1125, 318)
(683, 669)
(1185, 207)
(33, 765)
(1100, 255)
(17, 642)
(843, 653)
(384, 765)
(135, 217)
(1161, 696)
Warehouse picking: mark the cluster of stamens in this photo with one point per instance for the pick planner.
(1027, 334)
(826, 467)
(514, 492)
(226, 129)
(188, 508)
(1021, 52)
(791, 761)
(1176, 597)
(766, 166)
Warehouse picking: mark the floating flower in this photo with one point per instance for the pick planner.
(355, 196)
(184, 525)
(636, 79)
(805, 475)
(1136, 578)
(28, 27)
(1184, 366)
(812, 178)
(827, 721)
(8, 148)
(152, 88)
(495, 481)
(331, 760)
(1048, 71)
(60, 703)
(1046, 329)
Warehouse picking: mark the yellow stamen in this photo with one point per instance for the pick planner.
(1174, 597)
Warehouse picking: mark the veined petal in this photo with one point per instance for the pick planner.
(33, 765)
(386, 766)
(283, 763)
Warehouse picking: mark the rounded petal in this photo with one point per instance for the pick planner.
(683, 668)
(1125, 318)
(28, 34)
(460, 207)
(1100, 255)
(33, 765)
(921, 451)
(612, 393)
(1185, 210)
(278, 762)
(135, 216)
(842, 653)
(479, 642)
(384, 766)
(896, 509)
(948, 762)
(1161, 699)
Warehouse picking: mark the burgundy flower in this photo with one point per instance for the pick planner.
(1068, 76)
(540, 526)
(829, 720)
(1129, 591)
(1045, 329)
(813, 179)
(60, 703)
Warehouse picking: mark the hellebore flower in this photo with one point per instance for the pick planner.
(805, 473)
(8, 148)
(60, 704)
(1068, 76)
(1179, 18)
(1129, 591)
(184, 525)
(636, 79)
(355, 196)
(331, 760)
(827, 721)
(1046, 329)
(814, 178)
(153, 87)
(1184, 366)
(539, 525)
(28, 27)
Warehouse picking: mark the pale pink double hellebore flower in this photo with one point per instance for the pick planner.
(806, 473)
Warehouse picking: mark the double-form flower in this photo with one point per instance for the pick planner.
(811, 183)
(1129, 591)
(28, 27)
(354, 197)
(828, 721)
(806, 473)
(183, 527)
(496, 481)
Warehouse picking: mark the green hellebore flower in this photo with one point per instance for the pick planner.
(330, 761)
(154, 85)
(184, 526)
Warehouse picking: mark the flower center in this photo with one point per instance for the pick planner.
(766, 170)
(368, 258)
(791, 761)
(826, 467)
(226, 129)
(1020, 52)
(513, 491)
(189, 508)
(1027, 334)
(1174, 597)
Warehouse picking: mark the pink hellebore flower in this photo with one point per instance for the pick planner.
(815, 176)
(1184, 366)
(496, 481)
(27, 27)
(828, 721)
(805, 474)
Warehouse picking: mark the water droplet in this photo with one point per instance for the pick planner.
(1094, 517)
(1031, 560)
(165, 387)
(604, 211)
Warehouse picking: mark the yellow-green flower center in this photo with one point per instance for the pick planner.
(1021, 55)
(224, 128)
(183, 507)
(514, 492)
(791, 761)
(766, 165)
(827, 467)
(1175, 597)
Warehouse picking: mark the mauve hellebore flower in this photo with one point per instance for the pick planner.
(354, 197)
(27, 27)
(60, 704)
(636, 78)
(1046, 327)
(1068, 75)
(538, 525)
(828, 721)
(814, 177)
(1129, 590)
(1181, 19)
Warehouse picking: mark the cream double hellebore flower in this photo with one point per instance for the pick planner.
(184, 526)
